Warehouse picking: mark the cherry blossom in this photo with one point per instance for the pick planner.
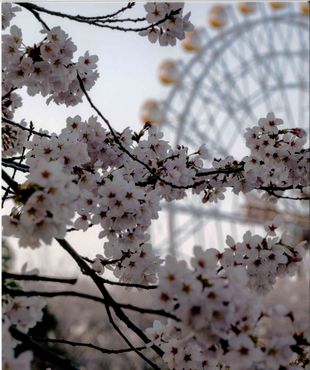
(212, 308)
(8, 12)
(220, 314)
(168, 23)
(47, 67)
(23, 313)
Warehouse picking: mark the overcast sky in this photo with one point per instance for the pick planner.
(128, 64)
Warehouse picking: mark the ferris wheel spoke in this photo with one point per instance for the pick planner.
(303, 98)
(206, 211)
(204, 127)
(240, 57)
(245, 82)
(179, 231)
(280, 86)
(210, 115)
(256, 65)
(256, 76)
(262, 76)
(280, 80)
(212, 141)
(197, 84)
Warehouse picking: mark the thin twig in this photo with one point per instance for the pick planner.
(219, 171)
(118, 283)
(33, 293)
(8, 275)
(93, 21)
(89, 345)
(107, 16)
(272, 192)
(121, 146)
(128, 285)
(75, 17)
(118, 330)
(87, 270)
(25, 128)
(35, 13)
(122, 20)
(8, 93)
(125, 306)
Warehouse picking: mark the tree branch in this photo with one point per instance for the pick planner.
(128, 285)
(41, 352)
(35, 13)
(8, 93)
(8, 275)
(125, 306)
(16, 166)
(118, 330)
(108, 298)
(121, 146)
(94, 21)
(25, 128)
(89, 345)
(12, 183)
(221, 171)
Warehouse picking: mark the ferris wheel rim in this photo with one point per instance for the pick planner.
(236, 29)
(218, 44)
(230, 36)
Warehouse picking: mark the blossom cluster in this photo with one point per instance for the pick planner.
(221, 321)
(119, 181)
(23, 313)
(8, 12)
(264, 259)
(168, 23)
(277, 160)
(46, 68)
(45, 205)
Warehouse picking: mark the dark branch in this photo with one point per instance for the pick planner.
(7, 190)
(41, 352)
(8, 275)
(89, 345)
(107, 16)
(8, 93)
(118, 330)
(32, 293)
(78, 18)
(87, 270)
(35, 13)
(16, 166)
(121, 146)
(100, 21)
(221, 171)
(128, 285)
(25, 128)
(272, 192)
(12, 183)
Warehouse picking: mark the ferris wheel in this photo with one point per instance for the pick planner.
(251, 59)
